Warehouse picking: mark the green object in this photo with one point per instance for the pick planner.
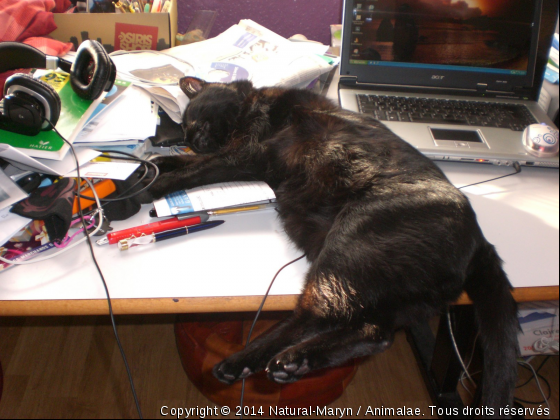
(73, 115)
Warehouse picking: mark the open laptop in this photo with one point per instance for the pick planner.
(456, 79)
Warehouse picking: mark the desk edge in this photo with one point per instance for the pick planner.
(200, 304)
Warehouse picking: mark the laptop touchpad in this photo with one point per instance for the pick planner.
(468, 139)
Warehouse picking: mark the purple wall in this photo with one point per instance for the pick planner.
(311, 18)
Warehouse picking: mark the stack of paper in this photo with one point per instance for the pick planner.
(10, 194)
(245, 51)
(129, 118)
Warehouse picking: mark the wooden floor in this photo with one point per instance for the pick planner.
(70, 367)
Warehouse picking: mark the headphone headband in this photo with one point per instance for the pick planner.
(16, 55)
(28, 101)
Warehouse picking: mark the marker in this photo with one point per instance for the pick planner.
(168, 234)
(151, 228)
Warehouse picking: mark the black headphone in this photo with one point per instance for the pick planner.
(28, 103)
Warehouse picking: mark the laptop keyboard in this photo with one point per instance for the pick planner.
(445, 111)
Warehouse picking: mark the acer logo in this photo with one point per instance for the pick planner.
(436, 77)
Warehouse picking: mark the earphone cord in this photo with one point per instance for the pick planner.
(102, 278)
(516, 166)
(256, 319)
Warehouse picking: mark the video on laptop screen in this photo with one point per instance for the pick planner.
(475, 35)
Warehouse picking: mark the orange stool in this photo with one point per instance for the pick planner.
(203, 344)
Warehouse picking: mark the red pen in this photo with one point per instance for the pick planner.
(156, 227)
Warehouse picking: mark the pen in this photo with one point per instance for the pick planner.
(230, 210)
(156, 227)
(125, 244)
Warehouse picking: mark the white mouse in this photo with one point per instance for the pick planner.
(541, 140)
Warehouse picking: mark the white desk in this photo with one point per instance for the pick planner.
(230, 267)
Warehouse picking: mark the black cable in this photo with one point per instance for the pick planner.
(101, 275)
(137, 193)
(535, 376)
(536, 370)
(255, 322)
(515, 165)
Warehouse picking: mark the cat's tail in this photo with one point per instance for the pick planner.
(496, 314)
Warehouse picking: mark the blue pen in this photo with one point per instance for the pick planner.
(125, 244)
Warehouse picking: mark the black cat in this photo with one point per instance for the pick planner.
(390, 241)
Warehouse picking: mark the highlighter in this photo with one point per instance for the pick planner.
(103, 189)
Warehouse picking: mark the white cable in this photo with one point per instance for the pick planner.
(538, 383)
(73, 244)
(465, 370)
(544, 344)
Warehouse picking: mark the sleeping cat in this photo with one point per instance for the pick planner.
(390, 241)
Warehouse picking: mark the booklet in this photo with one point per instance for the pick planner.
(214, 197)
(75, 112)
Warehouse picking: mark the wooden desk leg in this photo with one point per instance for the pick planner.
(437, 359)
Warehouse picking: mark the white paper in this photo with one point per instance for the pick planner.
(214, 196)
(10, 224)
(244, 51)
(105, 170)
(46, 166)
(131, 116)
(10, 192)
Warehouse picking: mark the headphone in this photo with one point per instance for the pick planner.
(28, 103)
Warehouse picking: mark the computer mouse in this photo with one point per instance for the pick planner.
(541, 140)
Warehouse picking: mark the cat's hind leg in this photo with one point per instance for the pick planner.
(255, 357)
(330, 349)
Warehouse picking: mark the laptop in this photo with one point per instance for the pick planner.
(456, 79)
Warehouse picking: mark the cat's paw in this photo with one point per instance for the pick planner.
(168, 163)
(230, 371)
(288, 367)
(165, 184)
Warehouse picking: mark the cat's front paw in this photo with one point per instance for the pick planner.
(231, 371)
(165, 184)
(288, 367)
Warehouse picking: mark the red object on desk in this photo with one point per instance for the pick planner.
(150, 228)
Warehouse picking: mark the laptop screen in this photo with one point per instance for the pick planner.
(464, 41)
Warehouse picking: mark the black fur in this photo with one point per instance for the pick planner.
(390, 241)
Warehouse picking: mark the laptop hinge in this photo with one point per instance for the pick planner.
(348, 80)
(481, 87)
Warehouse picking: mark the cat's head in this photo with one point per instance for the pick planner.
(212, 113)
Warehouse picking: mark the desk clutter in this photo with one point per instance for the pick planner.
(110, 125)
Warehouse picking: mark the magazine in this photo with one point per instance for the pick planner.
(246, 51)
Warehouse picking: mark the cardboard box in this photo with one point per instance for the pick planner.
(539, 324)
(119, 31)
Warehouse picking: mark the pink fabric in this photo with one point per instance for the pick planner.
(20, 20)
(29, 21)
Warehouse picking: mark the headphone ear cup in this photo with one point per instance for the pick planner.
(93, 71)
(40, 91)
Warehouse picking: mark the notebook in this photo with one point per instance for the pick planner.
(459, 80)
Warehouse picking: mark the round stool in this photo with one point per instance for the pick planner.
(203, 344)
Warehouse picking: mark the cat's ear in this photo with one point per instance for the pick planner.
(191, 86)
